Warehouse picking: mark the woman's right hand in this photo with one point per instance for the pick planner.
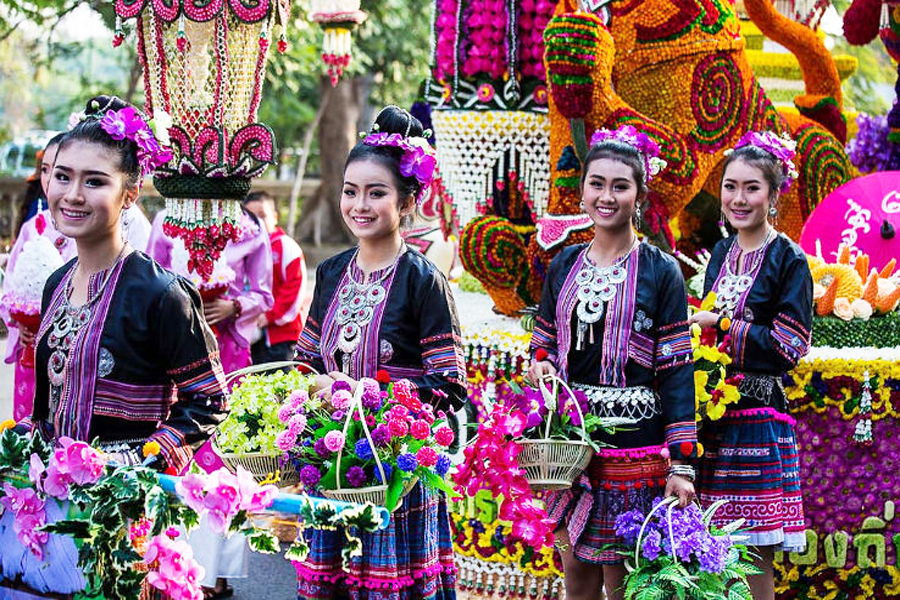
(540, 369)
(26, 336)
(704, 318)
(321, 386)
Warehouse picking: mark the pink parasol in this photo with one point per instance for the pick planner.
(864, 213)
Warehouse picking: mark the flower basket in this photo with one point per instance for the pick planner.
(262, 465)
(375, 494)
(553, 464)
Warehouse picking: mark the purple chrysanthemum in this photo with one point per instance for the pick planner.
(443, 465)
(381, 436)
(356, 476)
(387, 471)
(340, 385)
(363, 449)
(371, 400)
(407, 462)
(310, 476)
(321, 449)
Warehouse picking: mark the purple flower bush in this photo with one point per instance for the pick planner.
(673, 548)
(870, 150)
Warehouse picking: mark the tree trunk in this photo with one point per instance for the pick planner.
(321, 221)
(301, 163)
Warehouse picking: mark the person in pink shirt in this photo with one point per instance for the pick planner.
(234, 315)
(281, 325)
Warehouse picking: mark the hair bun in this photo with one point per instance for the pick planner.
(99, 105)
(393, 119)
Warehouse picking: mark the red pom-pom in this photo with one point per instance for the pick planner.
(382, 376)
(541, 354)
(282, 46)
(638, 485)
(118, 39)
(181, 43)
(687, 448)
(171, 471)
(607, 486)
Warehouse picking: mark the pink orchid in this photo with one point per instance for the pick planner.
(254, 497)
(222, 499)
(190, 489)
(174, 572)
(26, 527)
(84, 463)
(56, 484)
(35, 471)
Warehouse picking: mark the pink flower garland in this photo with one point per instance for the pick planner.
(533, 18)
(491, 464)
(445, 34)
(485, 49)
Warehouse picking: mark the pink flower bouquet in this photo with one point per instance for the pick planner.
(371, 445)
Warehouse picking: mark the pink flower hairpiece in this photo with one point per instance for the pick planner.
(128, 123)
(419, 158)
(640, 141)
(782, 147)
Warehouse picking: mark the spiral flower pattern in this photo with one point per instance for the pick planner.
(824, 165)
(681, 167)
(493, 252)
(717, 101)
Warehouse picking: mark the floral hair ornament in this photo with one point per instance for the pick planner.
(640, 141)
(782, 147)
(151, 137)
(418, 160)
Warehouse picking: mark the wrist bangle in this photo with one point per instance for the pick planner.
(238, 309)
(686, 471)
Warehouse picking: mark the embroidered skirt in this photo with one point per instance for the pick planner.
(410, 560)
(616, 481)
(752, 460)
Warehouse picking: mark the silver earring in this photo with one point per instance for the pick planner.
(773, 212)
(581, 205)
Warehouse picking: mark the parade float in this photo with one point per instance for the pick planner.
(510, 132)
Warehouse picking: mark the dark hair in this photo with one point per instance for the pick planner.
(89, 130)
(623, 153)
(391, 119)
(55, 140)
(766, 162)
(259, 196)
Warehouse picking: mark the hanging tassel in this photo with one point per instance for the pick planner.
(119, 35)
(181, 40)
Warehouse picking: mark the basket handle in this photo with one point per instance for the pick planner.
(356, 404)
(557, 382)
(262, 367)
(670, 501)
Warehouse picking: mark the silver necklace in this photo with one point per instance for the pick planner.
(733, 286)
(597, 286)
(68, 321)
(356, 305)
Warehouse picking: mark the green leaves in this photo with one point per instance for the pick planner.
(263, 541)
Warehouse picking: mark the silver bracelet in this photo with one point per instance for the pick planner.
(686, 471)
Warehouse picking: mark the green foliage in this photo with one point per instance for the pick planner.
(875, 67)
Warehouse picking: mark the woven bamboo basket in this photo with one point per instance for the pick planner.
(551, 464)
(262, 465)
(375, 494)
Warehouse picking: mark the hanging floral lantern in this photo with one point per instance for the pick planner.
(337, 18)
(204, 62)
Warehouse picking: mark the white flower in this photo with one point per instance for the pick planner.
(160, 124)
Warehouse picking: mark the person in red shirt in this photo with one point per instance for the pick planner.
(282, 324)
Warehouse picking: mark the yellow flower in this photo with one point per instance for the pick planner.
(709, 302)
(151, 448)
(709, 353)
(715, 409)
(730, 393)
(7, 424)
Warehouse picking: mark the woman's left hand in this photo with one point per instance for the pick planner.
(704, 318)
(218, 310)
(679, 486)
